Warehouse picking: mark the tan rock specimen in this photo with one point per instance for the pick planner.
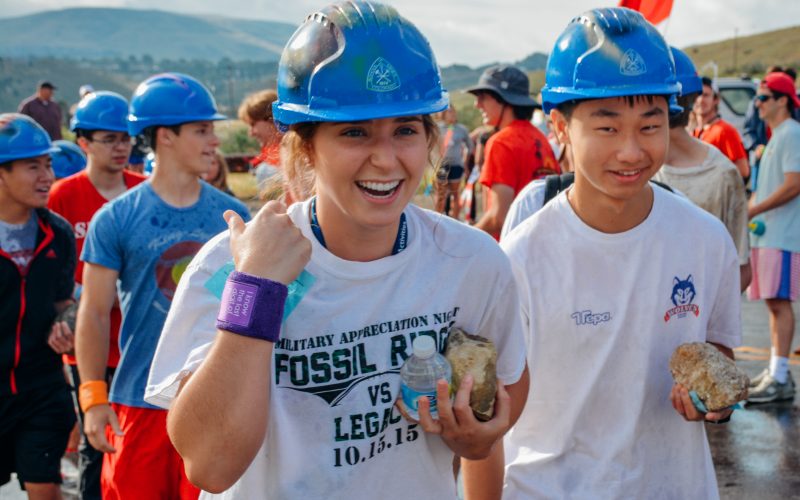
(716, 379)
(478, 356)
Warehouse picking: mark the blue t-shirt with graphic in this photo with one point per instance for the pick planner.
(149, 243)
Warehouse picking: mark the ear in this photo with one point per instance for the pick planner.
(560, 126)
(690, 279)
(165, 137)
(83, 143)
(675, 281)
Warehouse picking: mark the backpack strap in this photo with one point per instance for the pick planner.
(554, 184)
(662, 186)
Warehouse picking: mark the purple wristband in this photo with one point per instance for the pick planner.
(252, 306)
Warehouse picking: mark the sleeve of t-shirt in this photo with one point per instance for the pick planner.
(790, 160)
(188, 333)
(725, 323)
(102, 245)
(503, 325)
(731, 145)
(498, 167)
(527, 203)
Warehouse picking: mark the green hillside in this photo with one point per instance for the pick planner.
(753, 53)
(100, 32)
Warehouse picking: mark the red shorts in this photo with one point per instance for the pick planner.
(146, 464)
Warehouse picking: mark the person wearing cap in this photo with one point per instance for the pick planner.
(100, 123)
(614, 274)
(37, 262)
(712, 129)
(775, 254)
(298, 398)
(518, 153)
(42, 108)
(144, 240)
(702, 173)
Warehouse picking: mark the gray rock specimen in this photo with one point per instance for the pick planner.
(69, 315)
(478, 356)
(716, 379)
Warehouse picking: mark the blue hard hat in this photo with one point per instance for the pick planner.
(170, 99)
(686, 72)
(68, 159)
(355, 61)
(101, 110)
(149, 163)
(21, 137)
(608, 52)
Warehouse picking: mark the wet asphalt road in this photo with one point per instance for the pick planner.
(757, 454)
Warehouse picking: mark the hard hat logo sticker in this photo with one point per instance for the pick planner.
(382, 77)
(632, 64)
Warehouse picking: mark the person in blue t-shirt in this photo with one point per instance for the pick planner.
(145, 239)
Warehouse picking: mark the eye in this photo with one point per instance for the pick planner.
(354, 132)
(407, 130)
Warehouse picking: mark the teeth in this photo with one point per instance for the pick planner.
(628, 173)
(379, 186)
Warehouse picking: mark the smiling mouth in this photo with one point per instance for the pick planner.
(379, 189)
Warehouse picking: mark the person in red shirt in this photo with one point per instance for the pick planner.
(712, 129)
(518, 153)
(101, 125)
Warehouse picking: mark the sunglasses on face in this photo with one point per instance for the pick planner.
(764, 97)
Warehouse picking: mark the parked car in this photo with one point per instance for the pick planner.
(735, 95)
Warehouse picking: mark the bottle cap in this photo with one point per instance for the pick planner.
(424, 347)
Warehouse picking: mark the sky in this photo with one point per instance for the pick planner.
(477, 32)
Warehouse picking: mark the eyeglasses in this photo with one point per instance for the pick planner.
(113, 141)
(764, 97)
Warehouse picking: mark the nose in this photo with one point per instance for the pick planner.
(215, 139)
(630, 150)
(383, 154)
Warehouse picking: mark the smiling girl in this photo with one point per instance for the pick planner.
(293, 387)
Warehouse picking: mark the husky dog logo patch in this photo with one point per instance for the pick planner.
(632, 64)
(382, 77)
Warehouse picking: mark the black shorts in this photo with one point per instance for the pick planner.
(34, 430)
(454, 172)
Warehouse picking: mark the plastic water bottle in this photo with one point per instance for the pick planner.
(419, 374)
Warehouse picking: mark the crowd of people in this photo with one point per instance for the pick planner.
(217, 353)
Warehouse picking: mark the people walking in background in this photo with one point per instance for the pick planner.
(143, 241)
(256, 111)
(455, 146)
(518, 153)
(218, 175)
(614, 273)
(37, 263)
(42, 108)
(775, 255)
(101, 126)
(711, 128)
(702, 173)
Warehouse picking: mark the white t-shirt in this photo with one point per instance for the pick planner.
(333, 430)
(781, 157)
(604, 313)
(715, 186)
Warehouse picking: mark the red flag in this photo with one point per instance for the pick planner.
(654, 11)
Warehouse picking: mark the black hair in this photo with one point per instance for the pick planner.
(568, 107)
(86, 134)
(6, 165)
(708, 82)
(682, 118)
(523, 112)
(149, 134)
(789, 101)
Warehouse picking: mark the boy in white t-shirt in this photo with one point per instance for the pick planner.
(613, 275)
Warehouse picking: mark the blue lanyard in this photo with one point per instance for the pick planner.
(399, 243)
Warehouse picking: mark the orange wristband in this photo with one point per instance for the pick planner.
(92, 393)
